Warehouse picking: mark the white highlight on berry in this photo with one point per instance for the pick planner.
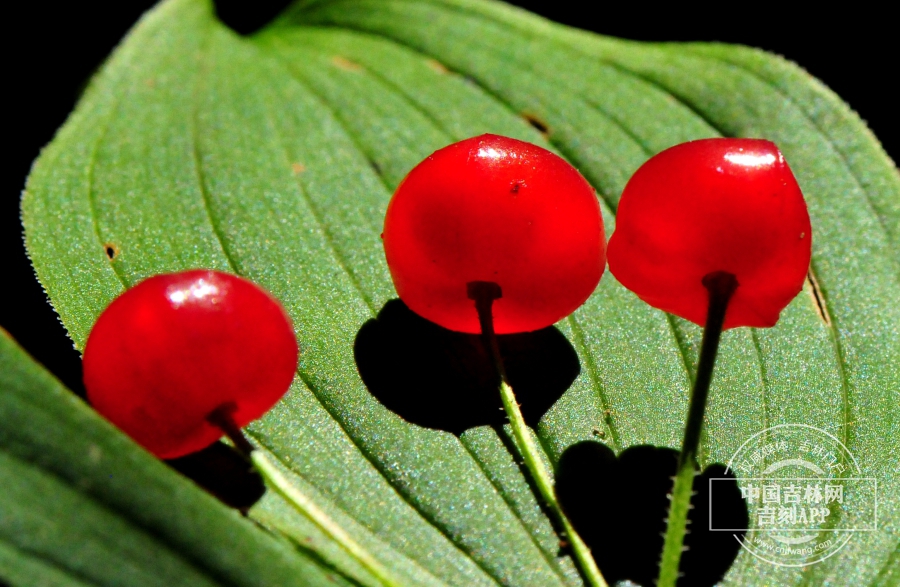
(751, 160)
(490, 152)
(198, 291)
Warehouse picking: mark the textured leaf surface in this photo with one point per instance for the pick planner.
(274, 157)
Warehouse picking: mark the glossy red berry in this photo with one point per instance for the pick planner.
(494, 209)
(174, 348)
(729, 205)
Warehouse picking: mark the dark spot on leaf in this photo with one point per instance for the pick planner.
(619, 507)
(441, 379)
(112, 251)
(375, 166)
(537, 123)
(818, 298)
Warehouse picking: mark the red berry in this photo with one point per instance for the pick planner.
(494, 209)
(174, 348)
(729, 205)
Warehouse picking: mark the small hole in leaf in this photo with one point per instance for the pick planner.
(112, 251)
(537, 123)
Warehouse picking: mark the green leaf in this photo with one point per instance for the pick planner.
(83, 505)
(275, 156)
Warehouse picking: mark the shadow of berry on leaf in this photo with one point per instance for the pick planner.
(442, 379)
(224, 473)
(619, 507)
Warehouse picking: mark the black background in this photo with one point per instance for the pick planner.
(53, 48)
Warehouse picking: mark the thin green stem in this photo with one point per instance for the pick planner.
(721, 286)
(274, 479)
(484, 294)
(323, 522)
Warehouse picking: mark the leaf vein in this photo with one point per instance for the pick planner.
(197, 159)
(323, 226)
(428, 517)
(550, 560)
(91, 193)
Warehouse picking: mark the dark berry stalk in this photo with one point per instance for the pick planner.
(721, 286)
(484, 293)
